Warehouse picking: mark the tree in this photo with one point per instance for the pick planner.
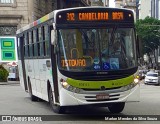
(3, 74)
(148, 31)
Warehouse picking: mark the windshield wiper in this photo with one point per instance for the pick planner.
(113, 34)
(85, 36)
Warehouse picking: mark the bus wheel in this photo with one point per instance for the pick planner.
(116, 107)
(32, 97)
(55, 108)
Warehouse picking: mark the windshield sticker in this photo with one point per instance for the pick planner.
(114, 63)
(97, 67)
(96, 60)
(106, 66)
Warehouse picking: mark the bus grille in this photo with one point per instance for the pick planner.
(93, 97)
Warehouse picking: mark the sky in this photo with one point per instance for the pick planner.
(111, 3)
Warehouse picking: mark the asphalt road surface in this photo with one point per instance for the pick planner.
(14, 101)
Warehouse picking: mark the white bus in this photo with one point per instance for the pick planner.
(80, 56)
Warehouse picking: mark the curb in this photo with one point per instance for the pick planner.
(9, 83)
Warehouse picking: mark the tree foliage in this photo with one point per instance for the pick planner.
(3, 74)
(148, 31)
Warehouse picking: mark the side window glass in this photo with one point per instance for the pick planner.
(30, 44)
(26, 48)
(35, 43)
(46, 44)
(38, 42)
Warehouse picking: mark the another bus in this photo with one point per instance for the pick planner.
(80, 56)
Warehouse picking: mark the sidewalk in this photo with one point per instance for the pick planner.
(9, 83)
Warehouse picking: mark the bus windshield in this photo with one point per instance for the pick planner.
(96, 49)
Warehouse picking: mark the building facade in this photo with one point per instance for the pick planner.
(118, 3)
(18, 13)
(144, 8)
(61, 4)
(97, 3)
(106, 3)
(149, 8)
(155, 9)
(129, 4)
(15, 14)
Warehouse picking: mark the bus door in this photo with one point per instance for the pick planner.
(54, 65)
(21, 65)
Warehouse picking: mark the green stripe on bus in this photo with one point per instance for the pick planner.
(99, 84)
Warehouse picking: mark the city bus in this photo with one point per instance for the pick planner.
(80, 56)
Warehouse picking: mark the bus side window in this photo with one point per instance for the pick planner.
(41, 48)
(26, 50)
(43, 41)
(30, 44)
(35, 42)
(46, 33)
(38, 44)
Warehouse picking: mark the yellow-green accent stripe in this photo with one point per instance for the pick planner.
(99, 84)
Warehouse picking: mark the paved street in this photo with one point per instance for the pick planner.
(14, 101)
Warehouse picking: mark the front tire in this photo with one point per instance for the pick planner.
(116, 107)
(55, 108)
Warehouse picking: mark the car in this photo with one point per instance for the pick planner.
(152, 78)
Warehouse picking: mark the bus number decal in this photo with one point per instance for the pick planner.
(70, 17)
(74, 63)
(84, 84)
(117, 83)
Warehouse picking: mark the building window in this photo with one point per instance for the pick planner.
(6, 1)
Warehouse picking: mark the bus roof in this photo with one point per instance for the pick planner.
(37, 22)
(53, 14)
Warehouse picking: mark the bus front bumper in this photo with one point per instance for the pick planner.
(68, 98)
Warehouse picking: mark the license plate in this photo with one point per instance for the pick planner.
(102, 96)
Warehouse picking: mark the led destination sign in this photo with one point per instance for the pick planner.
(83, 16)
(73, 63)
(94, 16)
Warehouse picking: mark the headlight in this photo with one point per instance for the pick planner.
(136, 80)
(131, 85)
(68, 87)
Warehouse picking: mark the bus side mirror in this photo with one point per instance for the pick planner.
(53, 37)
